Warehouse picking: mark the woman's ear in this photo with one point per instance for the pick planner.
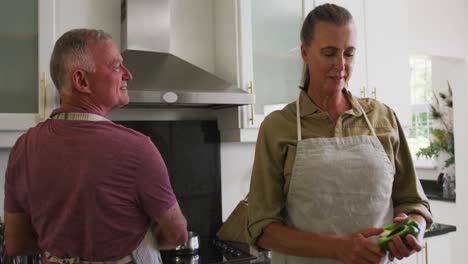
(304, 53)
(79, 81)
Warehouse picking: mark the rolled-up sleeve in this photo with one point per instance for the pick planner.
(266, 197)
(408, 195)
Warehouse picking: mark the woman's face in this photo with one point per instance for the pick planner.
(330, 57)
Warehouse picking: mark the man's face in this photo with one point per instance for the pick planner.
(108, 83)
(330, 57)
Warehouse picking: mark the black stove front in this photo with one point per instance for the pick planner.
(211, 251)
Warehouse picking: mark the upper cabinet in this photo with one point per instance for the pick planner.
(381, 68)
(258, 47)
(26, 40)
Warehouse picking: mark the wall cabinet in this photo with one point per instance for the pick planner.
(258, 47)
(27, 94)
(261, 46)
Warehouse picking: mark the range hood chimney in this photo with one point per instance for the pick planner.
(161, 79)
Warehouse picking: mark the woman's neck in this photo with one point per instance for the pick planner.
(335, 104)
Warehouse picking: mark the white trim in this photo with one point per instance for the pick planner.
(426, 164)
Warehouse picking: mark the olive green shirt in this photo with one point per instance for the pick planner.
(276, 150)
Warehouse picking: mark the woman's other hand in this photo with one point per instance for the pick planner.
(397, 246)
(358, 248)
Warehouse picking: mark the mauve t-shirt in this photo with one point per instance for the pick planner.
(89, 187)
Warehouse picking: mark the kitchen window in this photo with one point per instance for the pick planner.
(419, 134)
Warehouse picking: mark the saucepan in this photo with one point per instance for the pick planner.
(190, 247)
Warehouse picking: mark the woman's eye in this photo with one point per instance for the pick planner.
(349, 54)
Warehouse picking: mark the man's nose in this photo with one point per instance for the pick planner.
(127, 74)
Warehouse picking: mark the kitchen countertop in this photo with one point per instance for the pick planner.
(433, 191)
(436, 229)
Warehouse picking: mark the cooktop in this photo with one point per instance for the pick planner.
(211, 251)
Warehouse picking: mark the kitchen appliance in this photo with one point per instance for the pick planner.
(211, 251)
(160, 78)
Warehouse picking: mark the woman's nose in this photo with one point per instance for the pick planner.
(340, 62)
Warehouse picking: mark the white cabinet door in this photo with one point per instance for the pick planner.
(27, 40)
(358, 80)
(439, 249)
(436, 250)
(388, 55)
(266, 55)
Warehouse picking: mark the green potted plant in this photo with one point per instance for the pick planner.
(442, 141)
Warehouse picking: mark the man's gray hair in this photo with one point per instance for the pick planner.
(71, 52)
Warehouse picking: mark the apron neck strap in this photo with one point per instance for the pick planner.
(298, 122)
(367, 119)
(79, 116)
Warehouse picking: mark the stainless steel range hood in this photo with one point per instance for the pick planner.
(161, 79)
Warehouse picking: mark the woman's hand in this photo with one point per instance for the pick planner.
(358, 248)
(397, 247)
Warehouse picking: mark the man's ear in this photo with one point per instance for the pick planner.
(79, 81)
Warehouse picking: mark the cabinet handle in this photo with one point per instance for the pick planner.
(251, 90)
(363, 92)
(374, 92)
(44, 95)
(426, 252)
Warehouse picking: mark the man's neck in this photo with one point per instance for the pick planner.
(90, 108)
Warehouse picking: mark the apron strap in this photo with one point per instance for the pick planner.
(55, 259)
(298, 122)
(367, 119)
(79, 116)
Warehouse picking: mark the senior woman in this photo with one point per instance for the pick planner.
(331, 169)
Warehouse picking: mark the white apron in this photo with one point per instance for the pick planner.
(146, 253)
(338, 186)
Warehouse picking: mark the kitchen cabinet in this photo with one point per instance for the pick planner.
(27, 94)
(436, 250)
(258, 47)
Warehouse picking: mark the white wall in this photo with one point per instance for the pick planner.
(3, 164)
(102, 14)
(436, 27)
(236, 168)
(461, 158)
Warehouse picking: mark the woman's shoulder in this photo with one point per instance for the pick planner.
(378, 111)
(280, 123)
(285, 115)
(373, 105)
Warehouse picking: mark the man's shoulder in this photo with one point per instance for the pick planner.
(127, 134)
